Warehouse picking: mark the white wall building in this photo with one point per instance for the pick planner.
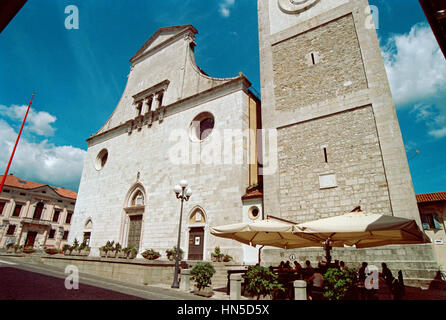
(173, 122)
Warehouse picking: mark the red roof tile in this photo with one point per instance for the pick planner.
(431, 197)
(13, 181)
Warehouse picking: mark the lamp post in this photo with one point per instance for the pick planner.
(183, 193)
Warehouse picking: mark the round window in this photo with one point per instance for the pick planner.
(254, 213)
(202, 126)
(101, 159)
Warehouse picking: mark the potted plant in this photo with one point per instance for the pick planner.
(123, 253)
(75, 247)
(172, 253)
(132, 252)
(10, 248)
(103, 251)
(18, 248)
(66, 249)
(110, 250)
(227, 258)
(202, 274)
(151, 254)
(216, 256)
(117, 249)
(339, 283)
(51, 250)
(261, 282)
(28, 249)
(84, 250)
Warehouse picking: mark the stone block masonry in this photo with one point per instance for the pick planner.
(318, 65)
(344, 145)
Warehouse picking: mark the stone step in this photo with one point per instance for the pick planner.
(397, 265)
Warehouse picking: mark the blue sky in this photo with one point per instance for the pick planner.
(79, 75)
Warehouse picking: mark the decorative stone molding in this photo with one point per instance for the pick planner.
(189, 36)
(156, 89)
(162, 112)
(296, 6)
(149, 118)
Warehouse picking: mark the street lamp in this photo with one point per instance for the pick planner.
(183, 193)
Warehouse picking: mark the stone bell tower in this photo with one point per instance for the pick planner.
(325, 90)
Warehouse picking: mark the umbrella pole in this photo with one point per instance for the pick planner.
(327, 248)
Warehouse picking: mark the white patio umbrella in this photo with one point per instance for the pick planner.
(267, 232)
(362, 230)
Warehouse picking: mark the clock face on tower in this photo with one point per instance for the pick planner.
(296, 6)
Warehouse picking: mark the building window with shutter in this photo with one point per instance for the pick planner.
(65, 235)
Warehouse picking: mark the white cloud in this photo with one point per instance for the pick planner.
(433, 117)
(416, 68)
(438, 133)
(415, 65)
(41, 162)
(38, 122)
(225, 6)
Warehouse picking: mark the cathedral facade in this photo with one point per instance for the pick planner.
(173, 122)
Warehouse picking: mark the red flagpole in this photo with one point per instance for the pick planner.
(15, 146)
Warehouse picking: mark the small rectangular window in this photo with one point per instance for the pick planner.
(2, 207)
(65, 235)
(69, 215)
(52, 234)
(313, 59)
(56, 216)
(11, 230)
(325, 155)
(17, 210)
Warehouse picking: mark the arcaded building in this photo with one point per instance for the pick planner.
(173, 122)
(34, 214)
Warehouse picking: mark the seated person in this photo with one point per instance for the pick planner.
(297, 266)
(287, 267)
(281, 266)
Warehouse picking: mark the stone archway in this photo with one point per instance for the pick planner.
(133, 219)
(197, 231)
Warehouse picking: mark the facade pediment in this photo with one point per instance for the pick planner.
(163, 75)
(160, 37)
(45, 191)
